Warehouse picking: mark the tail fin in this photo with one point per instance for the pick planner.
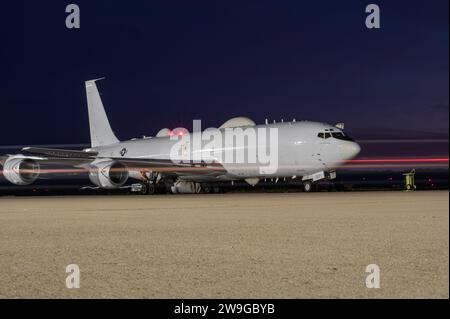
(101, 132)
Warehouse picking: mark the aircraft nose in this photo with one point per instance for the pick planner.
(350, 150)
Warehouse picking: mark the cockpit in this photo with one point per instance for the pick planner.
(331, 133)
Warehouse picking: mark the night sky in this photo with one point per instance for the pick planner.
(168, 62)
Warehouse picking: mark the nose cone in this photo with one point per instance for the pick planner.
(350, 150)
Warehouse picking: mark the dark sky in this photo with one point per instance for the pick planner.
(168, 62)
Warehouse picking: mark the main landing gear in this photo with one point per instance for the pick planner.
(147, 185)
(143, 188)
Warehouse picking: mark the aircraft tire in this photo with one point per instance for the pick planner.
(144, 189)
(308, 186)
(206, 188)
(151, 189)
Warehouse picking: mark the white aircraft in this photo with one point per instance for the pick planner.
(308, 150)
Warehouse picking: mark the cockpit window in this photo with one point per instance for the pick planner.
(324, 135)
(337, 135)
(342, 136)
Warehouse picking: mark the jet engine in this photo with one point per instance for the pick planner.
(20, 170)
(108, 174)
(182, 187)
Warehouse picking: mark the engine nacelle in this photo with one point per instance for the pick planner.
(182, 187)
(108, 174)
(20, 170)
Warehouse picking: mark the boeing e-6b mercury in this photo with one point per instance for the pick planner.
(190, 162)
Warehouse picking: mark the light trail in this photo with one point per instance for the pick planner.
(399, 160)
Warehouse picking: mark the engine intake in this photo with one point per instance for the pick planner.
(108, 174)
(21, 170)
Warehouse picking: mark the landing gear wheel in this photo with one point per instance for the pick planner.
(151, 189)
(307, 186)
(206, 188)
(144, 189)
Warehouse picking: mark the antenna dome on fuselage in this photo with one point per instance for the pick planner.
(237, 122)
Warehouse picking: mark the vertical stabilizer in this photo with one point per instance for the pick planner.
(101, 132)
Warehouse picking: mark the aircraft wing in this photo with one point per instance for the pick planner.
(60, 161)
(60, 153)
(55, 156)
(82, 159)
(167, 167)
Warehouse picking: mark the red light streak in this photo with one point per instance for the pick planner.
(400, 160)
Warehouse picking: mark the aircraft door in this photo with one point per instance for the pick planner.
(324, 144)
(185, 150)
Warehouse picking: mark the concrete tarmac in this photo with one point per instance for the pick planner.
(286, 245)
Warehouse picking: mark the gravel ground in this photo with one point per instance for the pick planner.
(294, 245)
